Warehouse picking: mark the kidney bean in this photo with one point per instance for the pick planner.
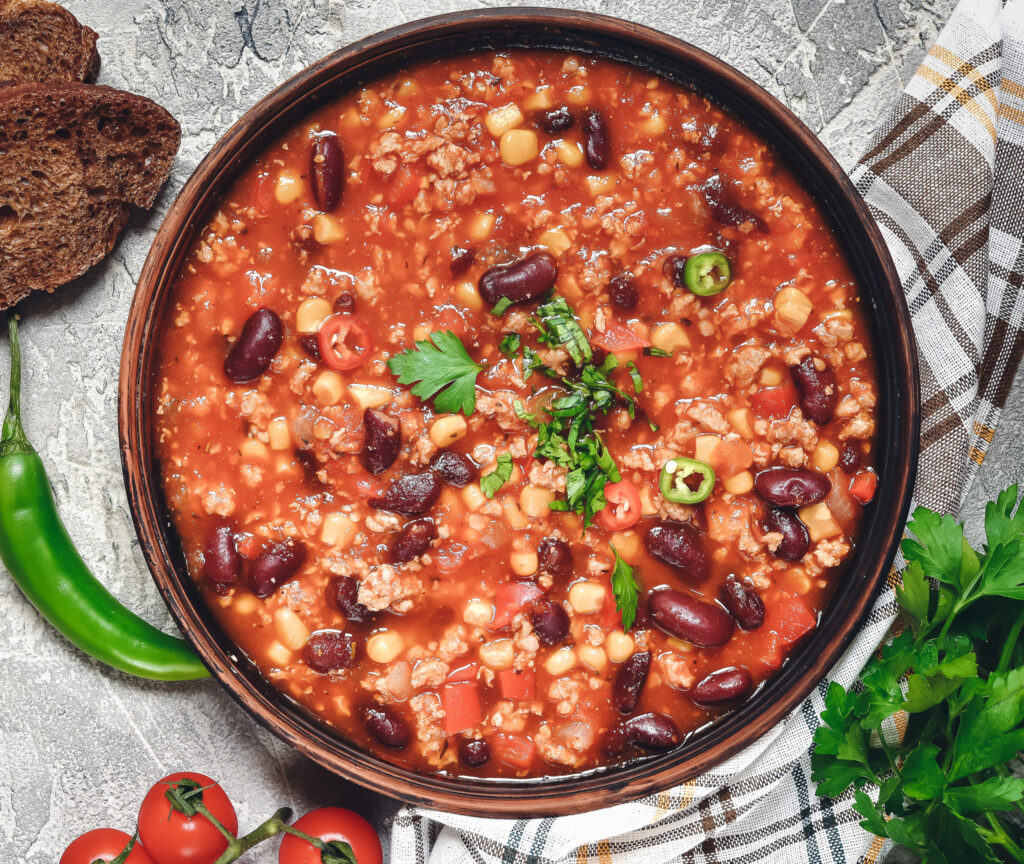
(674, 268)
(723, 688)
(724, 206)
(456, 469)
(386, 727)
(743, 603)
(554, 556)
(328, 171)
(410, 494)
(850, 457)
(692, 620)
(346, 597)
(221, 562)
(680, 545)
(250, 356)
(276, 565)
(413, 540)
(310, 343)
(596, 143)
(522, 281)
(462, 259)
(629, 682)
(557, 120)
(791, 487)
(475, 752)
(816, 389)
(652, 732)
(623, 291)
(795, 539)
(550, 621)
(381, 442)
(345, 303)
(327, 650)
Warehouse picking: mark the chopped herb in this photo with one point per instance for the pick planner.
(501, 307)
(491, 483)
(444, 370)
(656, 352)
(509, 345)
(634, 374)
(626, 591)
(532, 363)
(558, 327)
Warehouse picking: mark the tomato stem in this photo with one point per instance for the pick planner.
(123, 856)
(238, 846)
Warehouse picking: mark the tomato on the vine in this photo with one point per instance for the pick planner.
(332, 823)
(172, 837)
(103, 844)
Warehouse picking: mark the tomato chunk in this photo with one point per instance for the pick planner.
(513, 750)
(620, 337)
(461, 703)
(622, 509)
(510, 599)
(863, 486)
(463, 673)
(728, 458)
(517, 686)
(775, 402)
(790, 617)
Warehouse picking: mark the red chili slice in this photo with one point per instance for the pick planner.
(344, 341)
(622, 508)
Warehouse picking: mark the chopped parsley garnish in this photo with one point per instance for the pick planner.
(491, 483)
(501, 307)
(559, 328)
(651, 351)
(444, 370)
(509, 345)
(627, 592)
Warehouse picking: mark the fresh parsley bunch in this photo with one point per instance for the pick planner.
(947, 790)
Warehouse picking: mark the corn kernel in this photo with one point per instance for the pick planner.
(327, 229)
(518, 146)
(280, 435)
(446, 430)
(825, 457)
(556, 240)
(586, 596)
(338, 530)
(792, 309)
(288, 187)
(500, 120)
(328, 388)
(369, 396)
(535, 501)
(569, 153)
(670, 337)
(739, 484)
(311, 313)
(385, 646)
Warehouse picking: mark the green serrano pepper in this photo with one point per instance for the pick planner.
(37, 550)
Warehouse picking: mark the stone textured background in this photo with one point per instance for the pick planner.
(79, 743)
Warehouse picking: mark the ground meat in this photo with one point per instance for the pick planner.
(677, 671)
(453, 643)
(674, 511)
(385, 586)
(422, 451)
(382, 523)
(552, 752)
(730, 522)
(451, 160)
(862, 426)
(566, 693)
(548, 475)
(429, 673)
(499, 405)
(830, 553)
(708, 416)
(639, 458)
(219, 501)
(794, 430)
(428, 713)
(792, 456)
(525, 642)
(747, 360)
(848, 407)
(512, 717)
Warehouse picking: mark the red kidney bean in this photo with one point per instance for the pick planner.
(475, 752)
(743, 603)
(410, 494)
(554, 556)
(413, 540)
(557, 120)
(522, 281)
(674, 267)
(596, 144)
(328, 171)
(346, 597)
(345, 303)
(652, 732)
(723, 688)
(795, 539)
(221, 562)
(250, 356)
(381, 442)
(680, 545)
(461, 260)
(725, 207)
(550, 621)
(310, 343)
(386, 727)
(816, 389)
(623, 291)
(850, 457)
(327, 650)
(274, 566)
(692, 620)
(629, 682)
(456, 469)
(791, 487)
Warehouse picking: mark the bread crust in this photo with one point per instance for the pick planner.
(72, 54)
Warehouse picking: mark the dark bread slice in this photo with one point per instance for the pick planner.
(72, 158)
(41, 41)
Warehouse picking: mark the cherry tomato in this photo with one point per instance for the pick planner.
(622, 508)
(344, 342)
(103, 844)
(332, 823)
(171, 837)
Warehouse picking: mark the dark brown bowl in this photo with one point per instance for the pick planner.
(894, 354)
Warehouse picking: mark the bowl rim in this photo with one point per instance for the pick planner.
(537, 796)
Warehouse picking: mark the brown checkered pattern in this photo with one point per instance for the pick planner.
(945, 179)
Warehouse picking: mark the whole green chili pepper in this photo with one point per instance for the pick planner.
(37, 550)
(673, 482)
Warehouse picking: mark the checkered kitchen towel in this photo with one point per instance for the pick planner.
(945, 180)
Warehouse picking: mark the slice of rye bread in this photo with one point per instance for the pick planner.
(41, 41)
(72, 158)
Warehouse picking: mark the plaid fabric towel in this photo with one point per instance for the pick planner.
(945, 180)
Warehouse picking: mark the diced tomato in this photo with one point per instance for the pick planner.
(622, 509)
(621, 337)
(448, 318)
(790, 617)
(404, 186)
(513, 750)
(517, 686)
(510, 599)
(863, 486)
(463, 673)
(264, 193)
(728, 458)
(775, 402)
(461, 703)
(610, 616)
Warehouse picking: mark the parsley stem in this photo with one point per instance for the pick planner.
(1000, 837)
(1010, 644)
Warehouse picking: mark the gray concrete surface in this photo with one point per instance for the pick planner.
(79, 744)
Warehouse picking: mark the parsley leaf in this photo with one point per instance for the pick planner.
(558, 327)
(501, 307)
(509, 345)
(651, 351)
(626, 591)
(491, 483)
(444, 371)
